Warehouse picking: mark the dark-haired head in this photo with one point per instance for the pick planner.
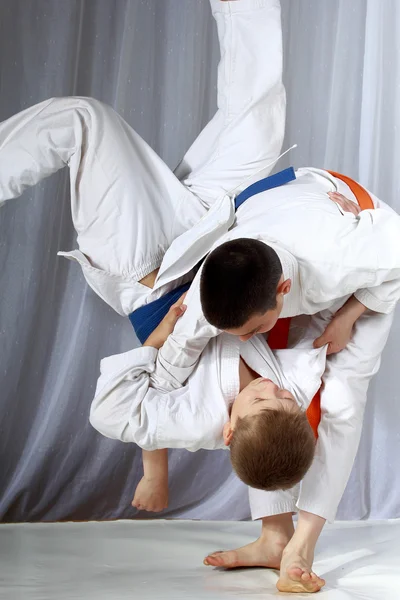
(242, 287)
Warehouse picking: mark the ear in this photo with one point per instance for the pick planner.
(284, 287)
(227, 433)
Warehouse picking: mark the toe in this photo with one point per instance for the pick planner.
(215, 559)
(317, 580)
(295, 573)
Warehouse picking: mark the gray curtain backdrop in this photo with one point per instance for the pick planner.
(155, 62)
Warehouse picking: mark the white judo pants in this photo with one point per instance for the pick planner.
(127, 206)
(343, 399)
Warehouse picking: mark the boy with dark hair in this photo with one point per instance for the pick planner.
(240, 279)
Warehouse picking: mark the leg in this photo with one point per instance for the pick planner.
(279, 546)
(275, 509)
(267, 551)
(296, 573)
(124, 198)
(247, 131)
(343, 398)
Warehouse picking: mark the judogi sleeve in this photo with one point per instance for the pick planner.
(384, 291)
(126, 408)
(179, 355)
(122, 408)
(364, 260)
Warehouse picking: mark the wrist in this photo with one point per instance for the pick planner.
(352, 310)
(154, 341)
(149, 343)
(155, 465)
(156, 478)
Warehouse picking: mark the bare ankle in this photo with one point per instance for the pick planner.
(149, 280)
(303, 550)
(277, 528)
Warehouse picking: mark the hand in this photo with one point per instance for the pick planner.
(345, 204)
(337, 335)
(151, 495)
(158, 337)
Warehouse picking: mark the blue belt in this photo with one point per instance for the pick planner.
(146, 318)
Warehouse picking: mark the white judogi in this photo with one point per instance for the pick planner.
(125, 407)
(128, 210)
(127, 206)
(327, 255)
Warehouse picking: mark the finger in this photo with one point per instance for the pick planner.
(174, 313)
(342, 203)
(179, 302)
(179, 310)
(181, 299)
(339, 196)
(334, 349)
(321, 341)
(348, 205)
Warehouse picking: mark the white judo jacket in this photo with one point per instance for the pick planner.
(328, 256)
(127, 408)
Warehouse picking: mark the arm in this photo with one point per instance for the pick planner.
(381, 297)
(179, 355)
(125, 407)
(152, 491)
(338, 333)
(383, 293)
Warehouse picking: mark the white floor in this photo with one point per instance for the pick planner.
(151, 560)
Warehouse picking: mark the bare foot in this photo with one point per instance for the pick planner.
(297, 576)
(257, 554)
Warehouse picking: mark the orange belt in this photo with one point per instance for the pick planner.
(279, 335)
